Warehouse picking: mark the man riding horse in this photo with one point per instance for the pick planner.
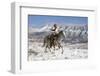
(53, 39)
(55, 31)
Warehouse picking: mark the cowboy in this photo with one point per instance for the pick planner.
(53, 36)
(55, 29)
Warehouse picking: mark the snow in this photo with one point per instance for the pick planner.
(70, 52)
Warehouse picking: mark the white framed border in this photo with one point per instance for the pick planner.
(19, 14)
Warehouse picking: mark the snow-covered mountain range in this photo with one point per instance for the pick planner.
(73, 33)
(45, 28)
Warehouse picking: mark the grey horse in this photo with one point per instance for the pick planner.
(52, 41)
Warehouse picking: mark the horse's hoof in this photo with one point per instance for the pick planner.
(57, 49)
(45, 51)
(62, 53)
(54, 55)
(52, 52)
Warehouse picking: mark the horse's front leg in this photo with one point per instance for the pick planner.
(60, 46)
(62, 49)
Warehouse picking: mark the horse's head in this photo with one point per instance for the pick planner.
(61, 34)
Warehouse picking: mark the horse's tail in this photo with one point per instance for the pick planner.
(44, 41)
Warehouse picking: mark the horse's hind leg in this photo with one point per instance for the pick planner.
(49, 49)
(46, 49)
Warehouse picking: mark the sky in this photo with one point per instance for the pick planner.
(42, 20)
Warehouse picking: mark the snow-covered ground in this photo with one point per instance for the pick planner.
(71, 51)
